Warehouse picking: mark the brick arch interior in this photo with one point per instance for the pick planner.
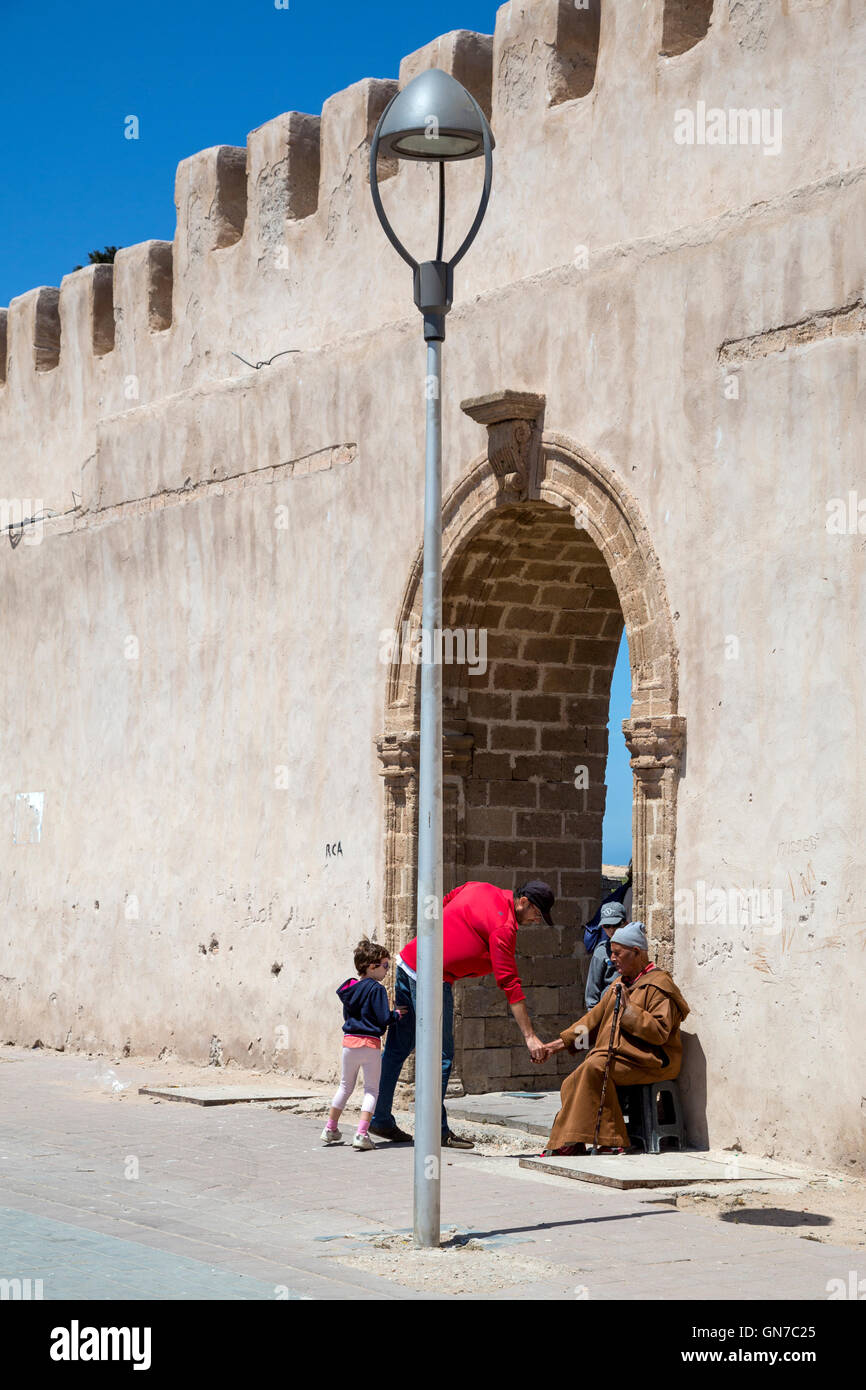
(536, 593)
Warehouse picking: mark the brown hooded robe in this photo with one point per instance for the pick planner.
(647, 1047)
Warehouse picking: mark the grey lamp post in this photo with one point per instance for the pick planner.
(435, 119)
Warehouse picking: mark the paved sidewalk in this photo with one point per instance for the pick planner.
(109, 1195)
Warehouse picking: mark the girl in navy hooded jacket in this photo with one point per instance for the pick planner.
(366, 1016)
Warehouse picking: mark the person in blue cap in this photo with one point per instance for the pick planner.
(602, 969)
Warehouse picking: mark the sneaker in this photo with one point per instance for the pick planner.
(331, 1136)
(396, 1135)
(452, 1141)
(362, 1141)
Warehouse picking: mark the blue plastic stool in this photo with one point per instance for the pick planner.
(654, 1116)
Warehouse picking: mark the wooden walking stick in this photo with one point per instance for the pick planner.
(616, 1003)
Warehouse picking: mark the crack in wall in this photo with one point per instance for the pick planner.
(322, 461)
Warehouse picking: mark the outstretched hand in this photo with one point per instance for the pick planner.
(550, 1048)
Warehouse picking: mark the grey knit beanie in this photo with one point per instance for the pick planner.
(634, 936)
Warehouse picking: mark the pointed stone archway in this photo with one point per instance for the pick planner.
(546, 553)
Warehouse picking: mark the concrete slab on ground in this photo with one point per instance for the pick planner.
(533, 1112)
(627, 1171)
(225, 1095)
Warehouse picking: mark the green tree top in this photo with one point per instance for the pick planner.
(104, 257)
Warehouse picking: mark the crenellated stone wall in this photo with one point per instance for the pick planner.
(652, 396)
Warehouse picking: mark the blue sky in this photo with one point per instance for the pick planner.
(616, 834)
(195, 75)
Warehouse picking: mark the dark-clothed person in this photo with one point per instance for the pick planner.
(602, 971)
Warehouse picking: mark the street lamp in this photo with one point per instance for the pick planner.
(433, 119)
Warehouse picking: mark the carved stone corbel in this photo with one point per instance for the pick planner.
(399, 753)
(656, 742)
(656, 747)
(514, 428)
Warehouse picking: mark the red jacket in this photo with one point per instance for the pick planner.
(479, 931)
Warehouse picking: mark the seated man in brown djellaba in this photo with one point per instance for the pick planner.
(647, 1047)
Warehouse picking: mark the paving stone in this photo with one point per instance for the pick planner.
(89, 1274)
(532, 1112)
(225, 1095)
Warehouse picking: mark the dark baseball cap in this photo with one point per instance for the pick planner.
(541, 894)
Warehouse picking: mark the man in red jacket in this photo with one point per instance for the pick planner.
(479, 936)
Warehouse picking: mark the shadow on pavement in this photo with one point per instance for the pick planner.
(775, 1216)
(579, 1221)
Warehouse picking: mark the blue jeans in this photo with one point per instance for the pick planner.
(401, 1041)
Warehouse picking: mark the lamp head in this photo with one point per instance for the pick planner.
(435, 119)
